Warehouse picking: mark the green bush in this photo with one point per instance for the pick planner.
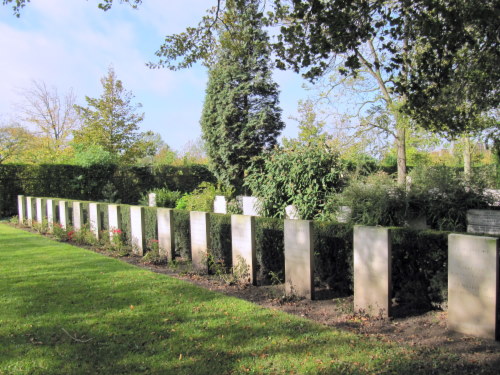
(374, 200)
(270, 247)
(297, 175)
(220, 238)
(333, 256)
(182, 234)
(164, 197)
(201, 199)
(419, 267)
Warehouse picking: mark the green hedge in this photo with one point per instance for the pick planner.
(419, 267)
(182, 234)
(270, 247)
(96, 183)
(220, 237)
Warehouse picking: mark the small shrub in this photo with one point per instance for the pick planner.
(202, 199)
(153, 253)
(164, 197)
(60, 233)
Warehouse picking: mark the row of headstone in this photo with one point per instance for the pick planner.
(473, 261)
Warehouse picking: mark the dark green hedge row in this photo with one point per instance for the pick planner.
(97, 183)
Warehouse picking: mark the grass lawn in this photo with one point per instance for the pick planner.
(66, 310)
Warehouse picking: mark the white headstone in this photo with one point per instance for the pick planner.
(473, 281)
(137, 230)
(200, 239)
(166, 241)
(152, 199)
(77, 215)
(220, 204)
(251, 206)
(95, 219)
(41, 210)
(372, 270)
(21, 208)
(30, 210)
(114, 219)
(299, 258)
(344, 214)
(51, 213)
(243, 248)
(63, 214)
(291, 212)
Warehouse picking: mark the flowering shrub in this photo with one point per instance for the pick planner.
(118, 241)
(60, 233)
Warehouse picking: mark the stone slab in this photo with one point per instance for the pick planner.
(64, 214)
(291, 212)
(51, 213)
(299, 258)
(78, 216)
(251, 206)
(220, 204)
(166, 239)
(21, 208)
(30, 210)
(473, 280)
(200, 239)
(152, 199)
(243, 248)
(114, 219)
(483, 221)
(95, 224)
(138, 235)
(41, 210)
(372, 270)
(344, 214)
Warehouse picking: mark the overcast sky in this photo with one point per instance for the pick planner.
(71, 44)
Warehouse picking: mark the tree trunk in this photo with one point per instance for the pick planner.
(401, 147)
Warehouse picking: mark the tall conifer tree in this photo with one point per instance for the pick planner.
(241, 115)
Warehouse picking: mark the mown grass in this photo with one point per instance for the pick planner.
(66, 310)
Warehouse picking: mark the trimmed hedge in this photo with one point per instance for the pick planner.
(98, 183)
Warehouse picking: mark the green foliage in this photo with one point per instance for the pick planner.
(419, 266)
(333, 261)
(444, 197)
(269, 243)
(297, 175)
(374, 200)
(97, 183)
(241, 117)
(220, 243)
(91, 155)
(164, 197)
(182, 229)
(111, 123)
(201, 199)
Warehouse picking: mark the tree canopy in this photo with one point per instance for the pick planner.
(241, 115)
(111, 122)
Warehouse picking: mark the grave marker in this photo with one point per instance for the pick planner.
(30, 209)
(114, 219)
(77, 216)
(21, 208)
(95, 219)
(243, 247)
(166, 241)
(200, 239)
(51, 213)
(372, 270)
(299, 258)
(137, 230)
(63, 214)
(473, 280)
(41, 210)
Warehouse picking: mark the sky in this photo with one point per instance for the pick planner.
(71, 44)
